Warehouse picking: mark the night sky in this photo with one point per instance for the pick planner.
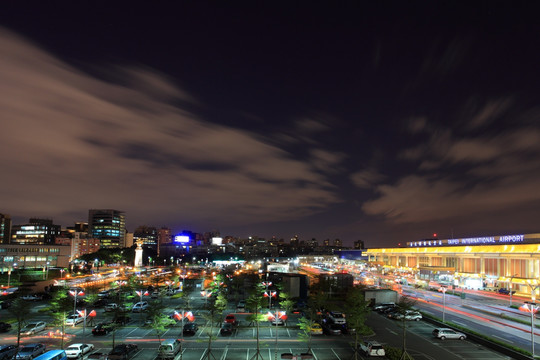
(380, 121)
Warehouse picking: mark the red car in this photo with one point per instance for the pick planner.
(230, 319)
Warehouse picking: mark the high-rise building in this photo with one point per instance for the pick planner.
(109, 226)
(5, 228)
(37, 232)
(338, 243)
(147, 235)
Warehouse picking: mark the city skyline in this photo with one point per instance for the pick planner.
(385, 123)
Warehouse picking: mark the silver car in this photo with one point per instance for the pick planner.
(30, 351)
(445, 333)
(33, 328)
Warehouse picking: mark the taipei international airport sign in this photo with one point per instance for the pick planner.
(485, 240)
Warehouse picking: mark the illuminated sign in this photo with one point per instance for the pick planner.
(181, 238)
(485, 240)
(217, 241)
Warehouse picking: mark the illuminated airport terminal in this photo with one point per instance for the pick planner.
(504, 261)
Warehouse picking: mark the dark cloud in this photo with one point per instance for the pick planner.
(72, 141)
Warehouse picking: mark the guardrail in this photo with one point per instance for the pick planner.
(481, 340)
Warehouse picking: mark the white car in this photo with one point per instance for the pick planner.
(140, 306)
(78, 350)
(336, 317)
(33, 328)
(74, 319)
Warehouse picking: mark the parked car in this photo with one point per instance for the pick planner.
(121, 319)
(7, 352)
(408, 315)
(316, 329)
(31, 297)
(331, 329)
(372, 348)
(78, 350)
(231, 319)
(4, 327)
(31, 329)
(241, 305)
(445, 333)
(346, 329)
(227, 329)
(336, 317)
(111, 307)
(169, 348)
(505, 291)
(383, 306)
(140, 306)
(190, 328)
(4, 304)
(104, 294)
(123, 352)
(103, 328)
(30, 351)
(74, 319)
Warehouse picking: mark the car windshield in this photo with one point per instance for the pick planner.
(30, 326)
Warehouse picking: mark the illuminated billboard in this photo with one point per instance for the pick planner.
(217, 241)
(181, 239)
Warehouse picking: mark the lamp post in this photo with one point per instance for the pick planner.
(443, 289)
(9, 277)
(267, 293)
(533, 308)
(206, 294)
(510, 287)
(75, 293)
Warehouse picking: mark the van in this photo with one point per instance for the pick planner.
(53, 355)
(169, 349)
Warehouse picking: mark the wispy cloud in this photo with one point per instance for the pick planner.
(70, 142)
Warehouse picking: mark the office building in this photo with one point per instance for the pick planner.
(5, 228)
(36, 232)
(109, 226)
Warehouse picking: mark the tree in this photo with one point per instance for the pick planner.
(306, 325)
(20, 309)
(357, 309)
(286, 302)
(60, 305)
(216, 306)
(404, 304)
(254, 303)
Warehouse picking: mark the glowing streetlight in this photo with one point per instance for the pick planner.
(276, 317)
(75, 293)
(206, 294)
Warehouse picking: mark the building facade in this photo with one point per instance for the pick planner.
(36, 232)
(511, 261)
(34, 256)
(109, 226)
(5, 228)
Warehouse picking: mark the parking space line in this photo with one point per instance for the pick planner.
(336, 354)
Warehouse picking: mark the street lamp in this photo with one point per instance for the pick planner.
(510, 287)
(533, 308)
(9, 277)
(279, 315)
(75, 293)
(206, 294)
(443, 289)
(267, 294)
